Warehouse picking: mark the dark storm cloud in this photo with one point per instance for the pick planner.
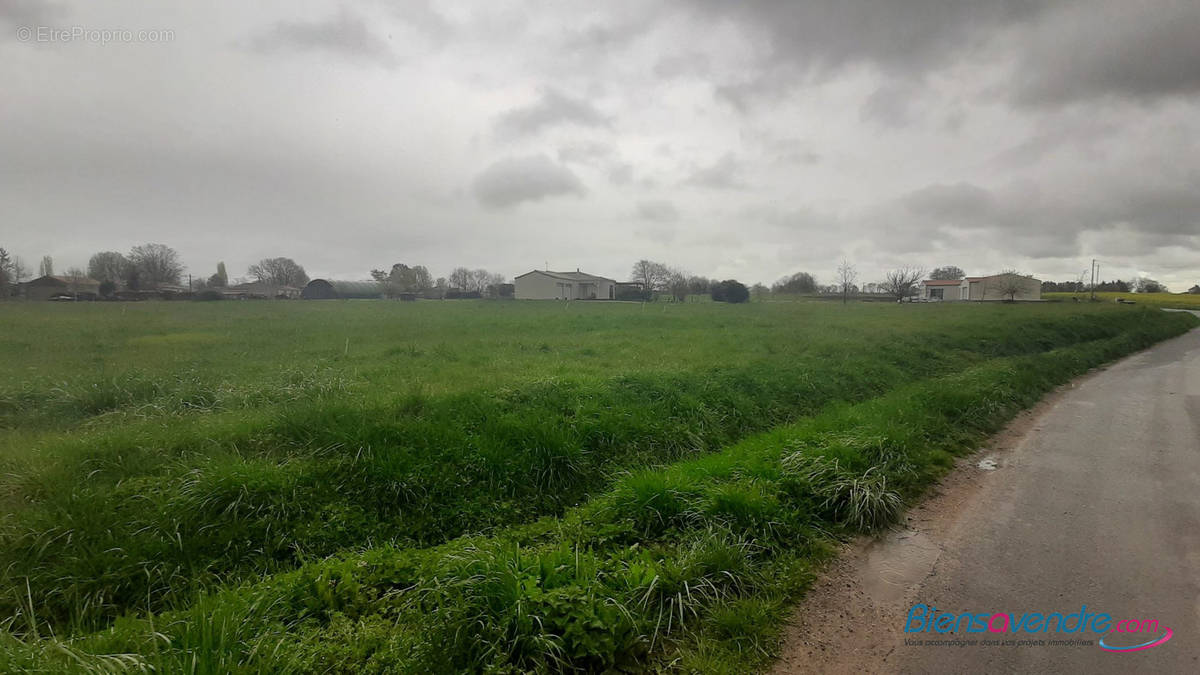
(345, 34)
(1043, 223)
(960, 203)
(991, 133)
(659, 210)
(823, 35)
(724, 174)
(807, 41)
(552, 109)
(511, 181)
(1112, 49)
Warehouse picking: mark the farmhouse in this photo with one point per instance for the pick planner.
(47, 287)
(325, 289)
(547, 285)
(1004, 286)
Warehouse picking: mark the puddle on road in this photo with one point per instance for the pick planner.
(988, 463)
(897, 563)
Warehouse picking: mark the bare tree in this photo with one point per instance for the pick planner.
(481, 279)
(677, 284)
(76, 275)
(652, 275)
(6, 274)
(153, 264)
(403, 279)
(699, 285)
(947, 273)
(1009, 283)
(278, 272)
(800, 282)
(460, 278)
(1080, 284)
(846, 276)
(46, 267)
(1148, 285)
(900, 282)
(17, 269)
(107, 266)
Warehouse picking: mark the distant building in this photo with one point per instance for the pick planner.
(258, 290)
(325, 289)
(996, 287)
(547, 285)
(49, 287)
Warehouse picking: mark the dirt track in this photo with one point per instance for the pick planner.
(1091, 499)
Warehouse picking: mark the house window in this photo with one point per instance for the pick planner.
(935, 293)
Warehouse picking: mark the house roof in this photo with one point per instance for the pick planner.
(568, 276)
(1003, 274)
(942, 282)
(67, 281)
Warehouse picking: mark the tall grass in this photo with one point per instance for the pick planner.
(119, 520)
(689, 562)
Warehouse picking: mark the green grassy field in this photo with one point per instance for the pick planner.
(440, 486)
(1171, 300)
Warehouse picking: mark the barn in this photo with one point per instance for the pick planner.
(547, 285)
(328, 289)
(49, 286)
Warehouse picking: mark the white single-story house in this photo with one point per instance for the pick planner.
(547, 285)
(1005, 286)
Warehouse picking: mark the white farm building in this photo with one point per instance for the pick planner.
(547, 285)
(1004, 286)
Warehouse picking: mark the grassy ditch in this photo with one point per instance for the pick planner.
(685, 566)
(140, 518)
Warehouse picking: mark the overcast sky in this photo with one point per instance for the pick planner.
(745, 139)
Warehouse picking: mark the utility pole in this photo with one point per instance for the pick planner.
(1093, 279)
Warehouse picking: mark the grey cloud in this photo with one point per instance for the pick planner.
(345, 34)
(552, 109)
(588, 153)
(683, 65)
(29, 12)
(658, 232)
(905, 37)
(1039, 223)
(421, 15)
(960, 203)
(660, 210)
(1112, 49)
(620, 173)
(511, 181)
(725, 174)
(890, 105)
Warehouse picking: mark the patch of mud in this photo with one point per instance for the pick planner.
(851, 620)
(896, 562)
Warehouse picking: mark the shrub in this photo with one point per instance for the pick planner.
(730, 290)
(208, 295)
